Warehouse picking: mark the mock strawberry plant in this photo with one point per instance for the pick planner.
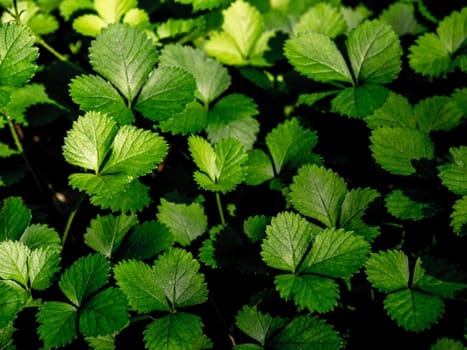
(244, 174)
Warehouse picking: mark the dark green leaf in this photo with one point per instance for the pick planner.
(14, 218)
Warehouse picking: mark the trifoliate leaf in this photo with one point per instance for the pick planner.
(146, 240)
(212, 79)
(227, 122)
(308, 291)
(336, 253)
(394, 149)
(84, 277)
(165, 93)
(176, 331)
(92, 93)
(243, 39)
(388, 271)
(185, 222)
(395, 112)
(14, 262)
(143, 291)
(318, 193)
(288, 237)
(307, 332)
(106, 233)
(437, 113)
(360, 101)
(14, 218)
(124, 56)
(290, 143)
(447, 344)
(17, 54)
(401, 17)
(459, 216)
(403, 207)
(10, 303)
(453, 174)
(412, 310)
(179, 277)
(88, 142)
(322, 18)
(42, 266)
(192, 120)
(260, 168)
(254, 323)
(222, 167)
(355, 203)
(57, 323)
(428, 56)
(104, 313)
(254, 227)
(317, 57)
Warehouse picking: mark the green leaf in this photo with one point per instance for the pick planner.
(428, 56)
(452, 30)
(14, 218)
(17, 54)
(254, 227)
(68, 7)
(401, 17)
(14, 262)
(199, 5)
(212, 79)
(6, 151)
(336, 253)
(223, 167)
(177, 273)
(112, 10)
(101, 186)
(190, 121)
(185, 222)
(10, 304)
(84, 277)
(388, 271)
(318, 193)
(395, 112)
(43, 23)
(354, 205)
(106, 233)
(165, 93)
(317, 57)
(177, 331)
(360, 101)
(104, 313)
(453, 174)
(92, 93)
(43, 264)
(288, 237)
(88, 142)
(394, 149)
(290, 143)
(311, 99)
(460, 96)
(459, 216)
(260, 168)
(353, 16)
(139, 283)
(307, 332)
(254, 323)
(124, 56)
(412, 310)
(227, 122)
(89, 24)
(101, 342)
(447, 344)
(57, 323)
(437, 113)
(403, 207)
(321, 18)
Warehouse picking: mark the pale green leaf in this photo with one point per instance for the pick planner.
(192, 120)
(11, 303)
(41, 236)
(104, 313)
(17, 54)
(125, 56)
(43, 23)
(412, 310)
(165, 93)
(403, 207)
(57, 323)
(290, 143)
(212, 79)
(374, 52)
(322, 18)
(317, 57)
(395, 112)
(68, 7)
(185, 222)
(336, 253)
(394, 149)
(428, 56)
(388, 271)
(204, 156)
(437, 113)
(360, 101)
(260, 168)
(459, 216)
(138, 18)
(176, 331)
(355, 203)
(288, 237)
(92, 93)
(43, 264)
(452, 30)
(14, 218)
(139, 283)
(178, 274)
(106, 233)
(14, 262)
(401, 17)
(84, 277)
(112, 10)
(254, 323)
(318, 193)
(88, 142)
(227, 122)
(89, 24)
(223, 48)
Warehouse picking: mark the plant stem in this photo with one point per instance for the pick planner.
(70, 220)
(219, 207)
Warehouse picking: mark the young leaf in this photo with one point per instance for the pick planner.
(459, 216)
(14, 262)
(388, 271)
(185, 222)
(106, 233)
(395, 112)
(57, 323)
(403, 207)
(42, 266)
(453, 174)
(254, 323)
(84, 277)
(437, 113)
(394, 149)
(41, 236)
(17, 54)
(318, 193)
(321, 18)
(14, 218)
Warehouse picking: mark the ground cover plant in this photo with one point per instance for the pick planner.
(233, 174)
